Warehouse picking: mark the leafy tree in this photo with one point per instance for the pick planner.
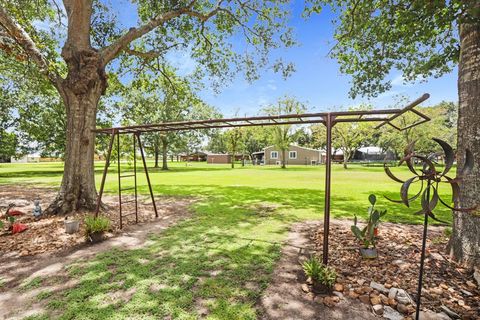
(234, 139)
(217, 142)
(80, 40)
(420, 39)
(283, 135)
(8, 140)
(442, 126)
(350, 136)
(255, 139)
(159, 99)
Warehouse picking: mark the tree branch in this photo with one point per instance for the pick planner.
(23, 40)
(113, 50)
(148, 55)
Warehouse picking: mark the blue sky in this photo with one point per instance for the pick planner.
(317, 80)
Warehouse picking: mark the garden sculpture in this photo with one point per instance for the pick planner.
(430, 180)
(37, 210)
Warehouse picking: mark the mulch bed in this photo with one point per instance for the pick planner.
(445, 283)
(47, 235)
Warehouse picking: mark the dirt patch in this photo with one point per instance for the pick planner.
(47, 235)
(284, 297)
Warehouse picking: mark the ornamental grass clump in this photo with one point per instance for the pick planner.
(95, 227)
(321, 277)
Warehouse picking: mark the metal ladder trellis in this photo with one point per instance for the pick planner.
(129, 175)
(136, 138)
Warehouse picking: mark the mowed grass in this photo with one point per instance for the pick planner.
(217, 263)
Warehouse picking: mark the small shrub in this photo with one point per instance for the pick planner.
(318, 272)
(93, 225)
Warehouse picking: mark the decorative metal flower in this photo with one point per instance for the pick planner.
(430, 179)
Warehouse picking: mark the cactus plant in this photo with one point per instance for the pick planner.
(367, 234)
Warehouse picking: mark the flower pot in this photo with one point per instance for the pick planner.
(369, 253)
(72, 226)
(96, 237)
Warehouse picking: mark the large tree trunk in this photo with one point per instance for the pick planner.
(81, 92)
(284, 152)
(156, 152)
(465, 241)
(164, 153)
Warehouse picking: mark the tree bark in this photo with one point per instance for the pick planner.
(164, 153)
(156, 152)
(464, 245)
(283, 159)
(81, 92)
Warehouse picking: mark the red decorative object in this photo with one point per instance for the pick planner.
(18, 227)
(15, 213)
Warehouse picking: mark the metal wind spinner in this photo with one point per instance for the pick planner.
(430, 179)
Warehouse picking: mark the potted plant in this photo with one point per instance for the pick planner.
(319, 276)
(368, 235)
(95, 228)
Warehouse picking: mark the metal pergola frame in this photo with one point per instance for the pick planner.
(329, 119)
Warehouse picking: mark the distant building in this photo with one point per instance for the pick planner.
(373, 153)
(219, 158)
(194, 156)
(30, 158)
(295, 155)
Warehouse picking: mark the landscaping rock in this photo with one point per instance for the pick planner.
(379, 287)
(305, 288)
(392, 293)
(377, 309)
(391, 314)
(403, 297)
(330, 301)
(338, 287)
(365, 299)
(338, 294)
(402, 308)
(450, 313)
(430, 315)
(476, 275)
(375, 300)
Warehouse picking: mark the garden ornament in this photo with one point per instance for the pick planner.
(37, 210)
(430, 180)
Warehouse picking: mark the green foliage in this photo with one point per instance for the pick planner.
(318, 272)
(367, 234)
(94, 225)
(418, 38)
(443, 125)
(349, 136)
(151, 99)
(283, 135)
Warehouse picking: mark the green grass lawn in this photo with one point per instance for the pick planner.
(222, 258)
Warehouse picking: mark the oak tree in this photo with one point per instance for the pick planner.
(74, 43)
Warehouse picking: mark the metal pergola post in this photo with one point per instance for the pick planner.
(329, 123)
